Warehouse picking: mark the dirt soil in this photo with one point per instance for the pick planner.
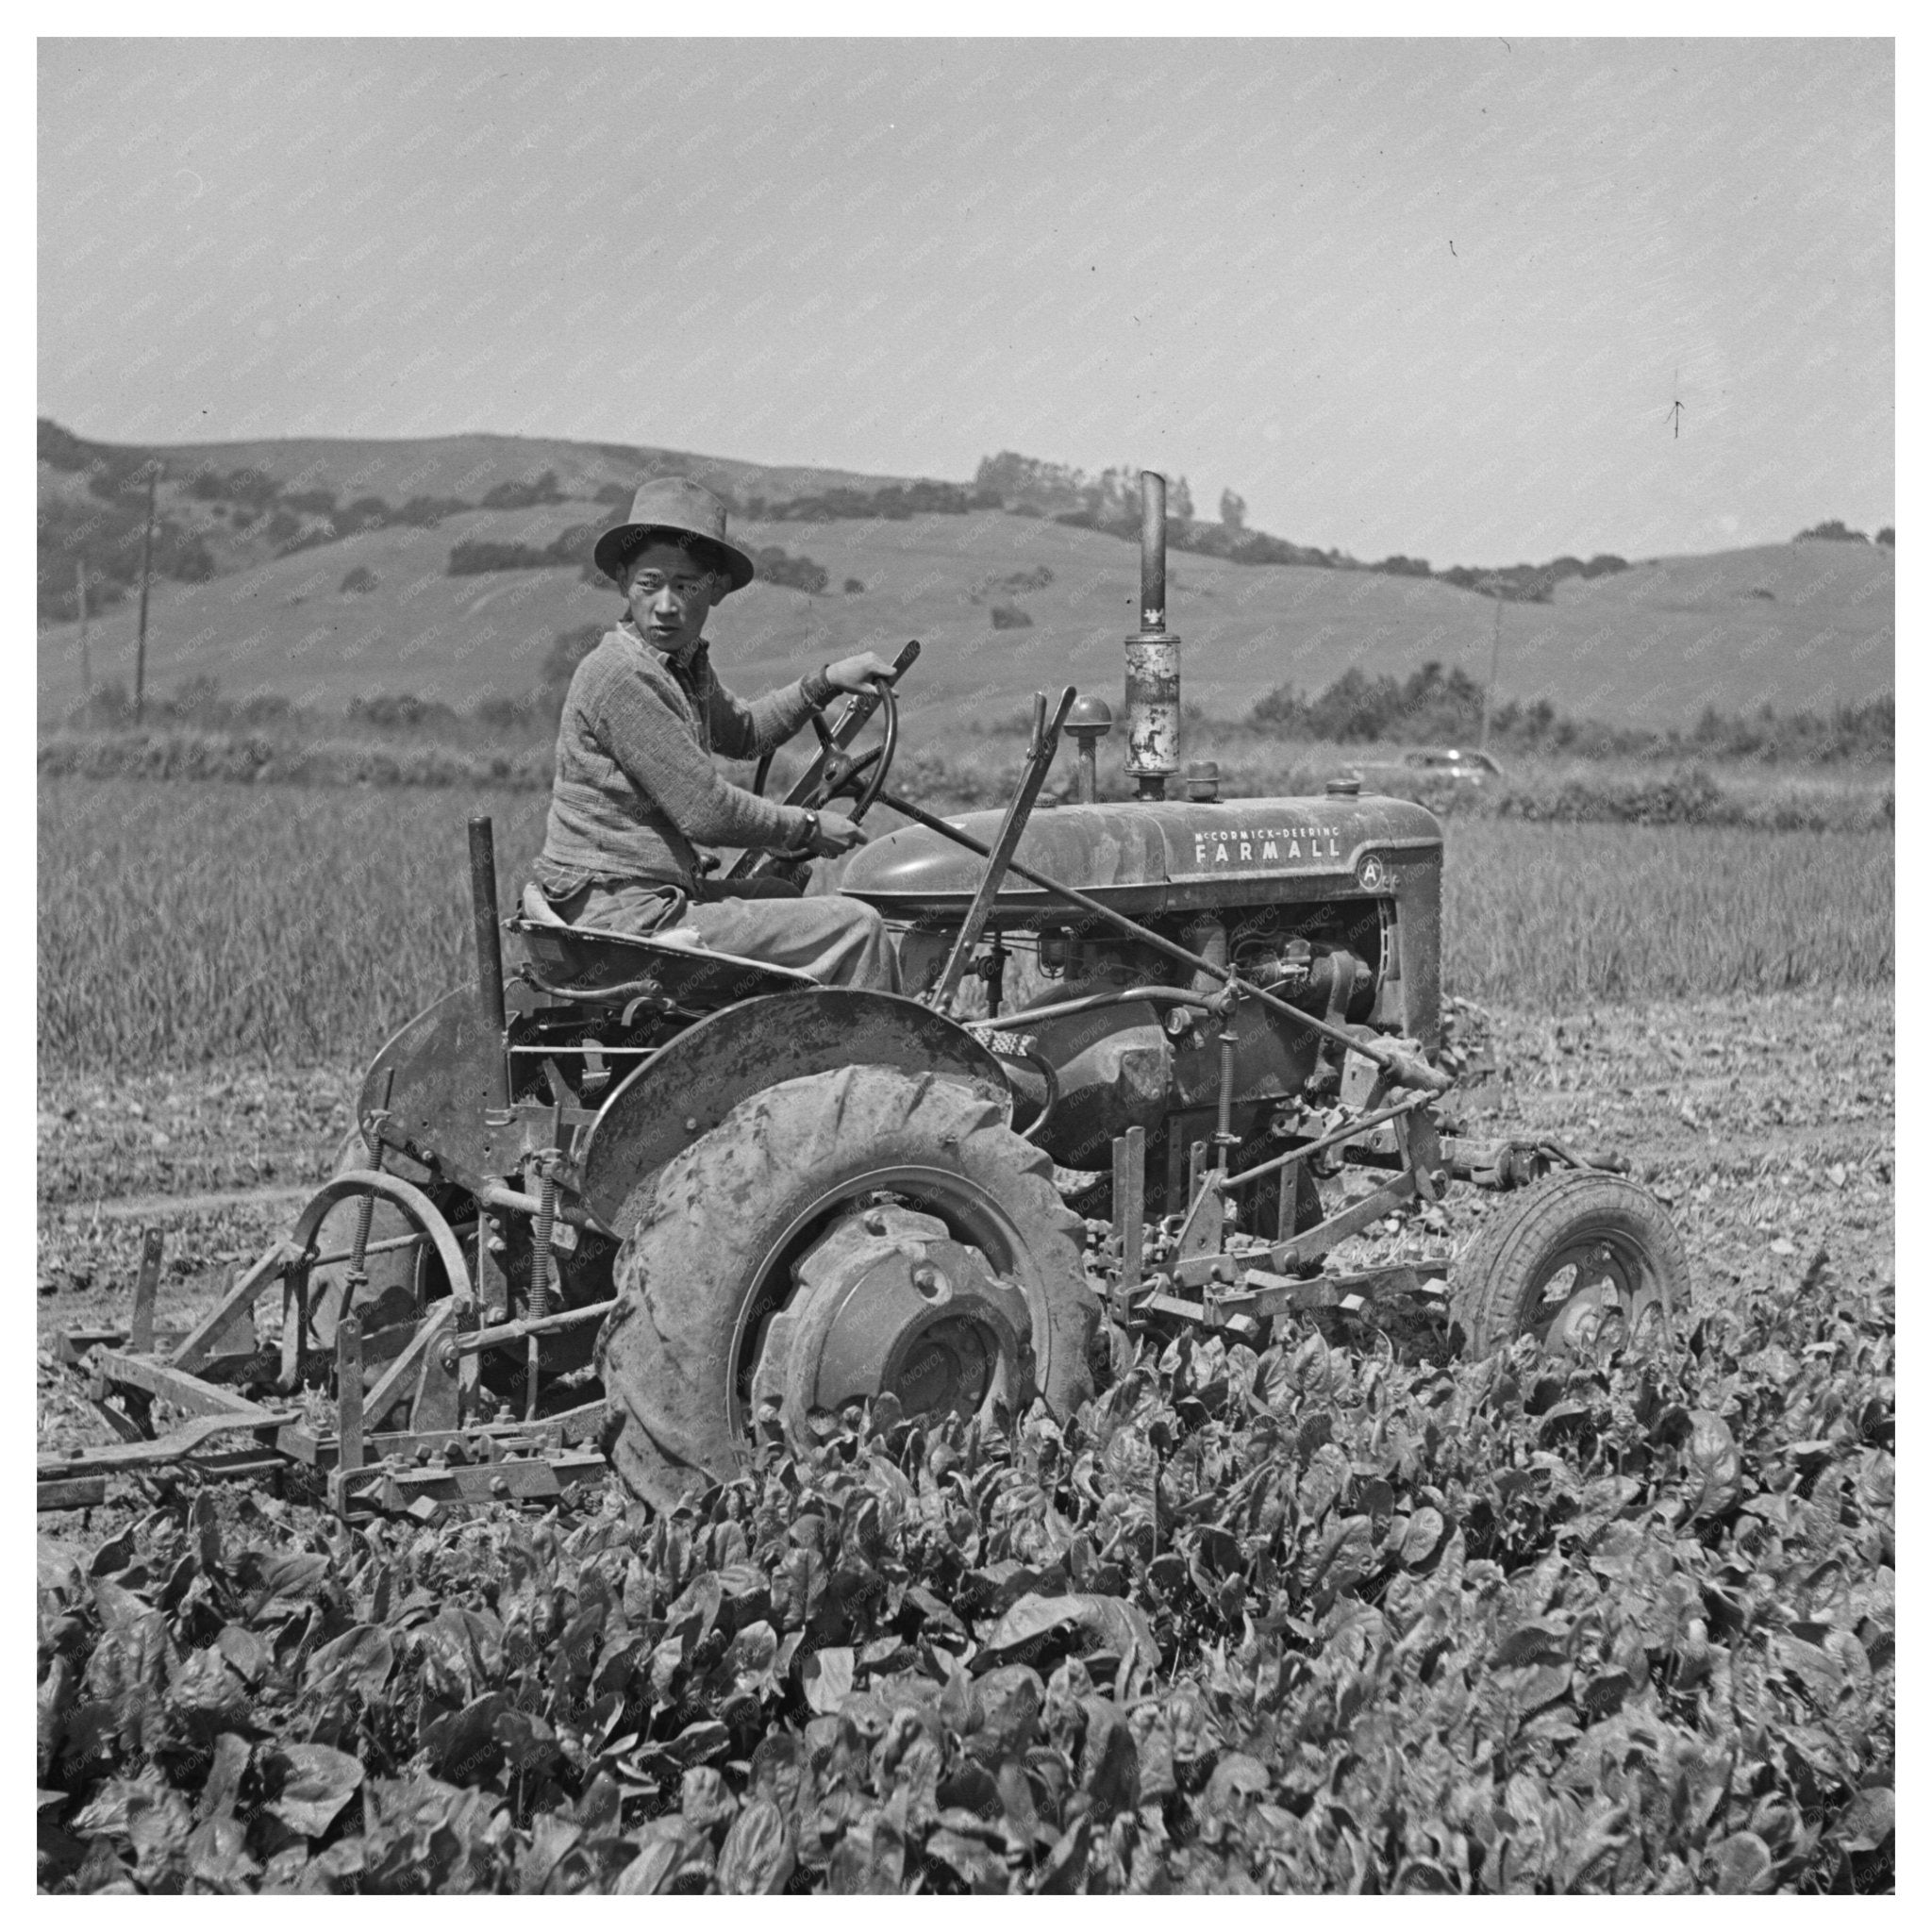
(1767, 1124)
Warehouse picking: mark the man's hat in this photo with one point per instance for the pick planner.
(673, 507)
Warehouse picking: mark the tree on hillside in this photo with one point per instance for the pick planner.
(525, 495)
(365, 514)
(109, 537)
(799, 573)
(1832, 531)
(476, 556)
(426, 511)
(60, 449)
(1886, 537)
(1017, 479)
(1234, 512)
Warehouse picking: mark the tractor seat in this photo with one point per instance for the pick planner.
(611, 968)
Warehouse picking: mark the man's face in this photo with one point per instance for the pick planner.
(670, 595)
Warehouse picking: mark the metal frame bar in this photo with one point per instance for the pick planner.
(1039, 757)
(300, 1444)
(194, 1349)
(140, 1327)
(388, 1391)
(1129, 1215)
(183, 1390)
(505, 1333)
(1263, 1292)
(1364, 1124)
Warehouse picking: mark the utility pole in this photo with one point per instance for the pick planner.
(1495, 651)
(147, 551)
(86, 669)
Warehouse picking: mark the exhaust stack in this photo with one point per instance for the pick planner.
(1154, 656)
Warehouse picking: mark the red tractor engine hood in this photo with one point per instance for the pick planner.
(1163, 857)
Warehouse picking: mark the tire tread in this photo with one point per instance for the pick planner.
(1495, 1271)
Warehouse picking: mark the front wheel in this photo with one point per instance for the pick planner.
(1585, 1261)
(837, 1237)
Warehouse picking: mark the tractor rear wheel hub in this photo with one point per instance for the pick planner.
(889, 1303)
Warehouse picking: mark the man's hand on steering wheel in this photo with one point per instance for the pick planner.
(836, 834)
(855, 674)
(868, 680)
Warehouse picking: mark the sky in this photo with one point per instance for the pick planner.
(1442, 299)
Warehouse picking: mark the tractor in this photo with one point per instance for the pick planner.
(629, 1203)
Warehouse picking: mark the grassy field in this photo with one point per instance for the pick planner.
(185, 923)
(1802, 626)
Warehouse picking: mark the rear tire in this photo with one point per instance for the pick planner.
(710, 1260)
(1585, 1261)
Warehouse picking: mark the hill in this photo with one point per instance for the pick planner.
(1801, 625)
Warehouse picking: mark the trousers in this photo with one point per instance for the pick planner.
(838, 942)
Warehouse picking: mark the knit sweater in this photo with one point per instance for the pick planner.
(635, 789)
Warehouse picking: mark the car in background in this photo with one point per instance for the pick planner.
(1426, 763)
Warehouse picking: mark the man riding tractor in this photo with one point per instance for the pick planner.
(636, 793)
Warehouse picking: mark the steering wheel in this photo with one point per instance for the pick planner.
(834, 774)
(838, 774)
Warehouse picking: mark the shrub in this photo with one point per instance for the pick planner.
(365, 514)
(256, 488)
(1429, 704)
(794, 572)
(503, 713)
(196, 700)
(854, 588)
(476, 556)
(359, 581)
(525, 495)
(1831, 531)
(425, 512)
(1009, 617)
(891, 502)
(106, 705)
(1016, 584)
(404, 711)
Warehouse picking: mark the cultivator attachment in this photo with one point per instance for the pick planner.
(1196, 1267)
(383, 1406)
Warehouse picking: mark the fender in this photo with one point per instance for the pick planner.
(688, 1088)
(441, 1060)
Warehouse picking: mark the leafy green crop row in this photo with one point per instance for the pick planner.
(1299, 1621)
